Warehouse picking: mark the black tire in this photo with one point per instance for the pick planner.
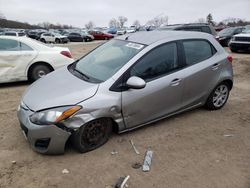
(92, 135)
(213, 101)
(86, 39)
(38, 71)
(58, 41)
(43, 40)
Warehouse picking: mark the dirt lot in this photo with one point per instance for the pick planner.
(190, 150)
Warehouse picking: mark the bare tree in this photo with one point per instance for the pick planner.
(114, 23)
(137, 24)
(201, 20)
(122, 20)
(158, 21)
(89, 25)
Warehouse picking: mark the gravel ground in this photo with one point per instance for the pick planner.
(190, 150)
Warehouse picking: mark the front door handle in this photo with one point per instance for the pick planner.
(175, 82)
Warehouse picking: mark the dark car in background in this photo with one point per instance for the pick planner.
(200, 27)
(99, 35)
(35, 35)
(32, 34)
(75, 37)
(87, 37)
(226, 34)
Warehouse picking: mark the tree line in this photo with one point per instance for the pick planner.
(119, 23)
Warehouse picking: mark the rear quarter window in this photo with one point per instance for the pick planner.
(197, 51)
(206, 29)
(9, 45)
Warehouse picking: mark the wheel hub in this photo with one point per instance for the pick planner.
(220, 96)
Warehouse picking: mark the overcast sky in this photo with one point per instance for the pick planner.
(79, 12)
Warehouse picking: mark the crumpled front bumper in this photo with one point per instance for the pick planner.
(46, 139)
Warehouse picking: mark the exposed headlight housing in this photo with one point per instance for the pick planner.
(233, 39)
(53, 116)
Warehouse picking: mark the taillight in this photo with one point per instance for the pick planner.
(66, 53)
(230, 58)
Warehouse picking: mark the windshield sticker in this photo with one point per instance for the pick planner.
(134, 45)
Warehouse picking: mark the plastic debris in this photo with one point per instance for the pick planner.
(133, 145)
(228, 135)
(114, 152)
(147, 161)
(121, 183)
(136, 165)
(65, 171)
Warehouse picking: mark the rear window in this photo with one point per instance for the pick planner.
(197, 51)
(10, 34)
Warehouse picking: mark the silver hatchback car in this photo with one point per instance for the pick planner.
(126, 83)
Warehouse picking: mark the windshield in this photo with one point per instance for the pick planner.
(247, 30)
(226, 31)
(106, 60)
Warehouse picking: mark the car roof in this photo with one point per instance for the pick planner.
(149, 37)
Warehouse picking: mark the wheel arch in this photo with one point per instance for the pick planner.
(229, 82)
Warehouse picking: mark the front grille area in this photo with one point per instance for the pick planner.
(243, 39)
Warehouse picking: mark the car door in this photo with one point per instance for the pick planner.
(163, 90)
(13, 61)
(201, 72)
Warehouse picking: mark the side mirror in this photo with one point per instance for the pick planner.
(135, 82)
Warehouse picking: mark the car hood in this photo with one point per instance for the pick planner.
(59, 88)
(224, 35)
(243, 35)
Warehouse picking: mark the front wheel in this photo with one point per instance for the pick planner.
(218, 97)
(92, 135)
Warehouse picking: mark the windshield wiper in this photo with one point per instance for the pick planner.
(84, 75)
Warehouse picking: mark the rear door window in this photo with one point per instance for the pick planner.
(197, 51)
(9, 45)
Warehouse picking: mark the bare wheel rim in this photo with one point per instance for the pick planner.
(41, 73)
(220, 96)
(94, 133)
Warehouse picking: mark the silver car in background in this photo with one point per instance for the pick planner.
(126, 83)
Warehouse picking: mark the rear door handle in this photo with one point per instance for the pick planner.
(215, 66)
(175, 82)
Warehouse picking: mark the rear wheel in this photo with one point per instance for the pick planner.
(218, 97)
(38, 71)
(58, 41)
(43, 40)
(92, 135)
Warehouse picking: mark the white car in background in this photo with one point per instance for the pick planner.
(22, 58)
(53, 38)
